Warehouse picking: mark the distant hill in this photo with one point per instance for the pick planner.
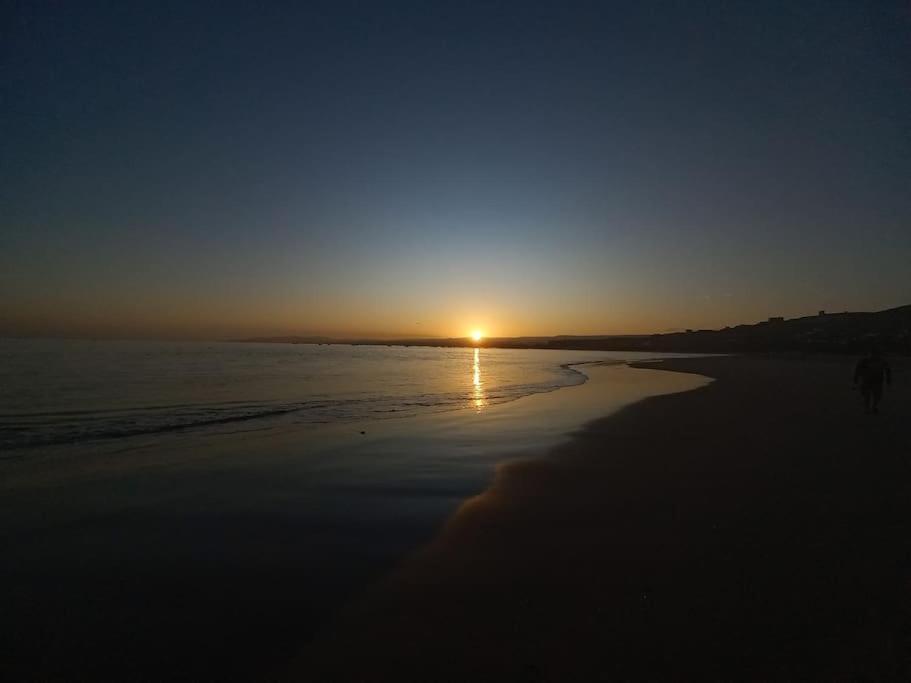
(833, 332)
(846, 332)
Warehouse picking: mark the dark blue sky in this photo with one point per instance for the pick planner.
(207, 169)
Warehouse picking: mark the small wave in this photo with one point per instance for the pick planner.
(106, 430)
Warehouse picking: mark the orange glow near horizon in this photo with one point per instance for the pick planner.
(225, 315)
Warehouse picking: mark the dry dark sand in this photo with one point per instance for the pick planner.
(756, 528)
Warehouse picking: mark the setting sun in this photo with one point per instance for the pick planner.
(476, 335)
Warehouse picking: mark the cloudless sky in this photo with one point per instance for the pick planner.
(194, 169)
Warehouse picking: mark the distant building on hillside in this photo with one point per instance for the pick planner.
(776, 319)
(822, 313)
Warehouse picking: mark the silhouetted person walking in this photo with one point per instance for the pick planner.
(871, 372)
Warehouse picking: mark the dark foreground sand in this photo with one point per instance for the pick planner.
(756, 528)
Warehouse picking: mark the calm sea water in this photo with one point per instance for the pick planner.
(59, 392)
(199, 540)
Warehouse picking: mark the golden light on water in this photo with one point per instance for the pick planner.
(478, 400)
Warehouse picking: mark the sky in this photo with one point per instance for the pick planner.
(212, 170)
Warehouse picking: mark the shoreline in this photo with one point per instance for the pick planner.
(276, 417)
(246, 540)
(752, 528)
(172, 446)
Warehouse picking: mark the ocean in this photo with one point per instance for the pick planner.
(66, 392)
(217, 503)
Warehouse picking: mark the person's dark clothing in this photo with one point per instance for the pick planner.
(870, 373)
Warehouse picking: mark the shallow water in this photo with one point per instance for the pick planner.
(225, 549)
(69, 392)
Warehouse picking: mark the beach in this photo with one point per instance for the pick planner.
(467, 341)
(754, 528)
(712, 518)
(215, 553)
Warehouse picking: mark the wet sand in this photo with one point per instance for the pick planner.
(214, 556)
(756, 528)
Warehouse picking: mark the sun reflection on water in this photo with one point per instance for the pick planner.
(478, 399)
